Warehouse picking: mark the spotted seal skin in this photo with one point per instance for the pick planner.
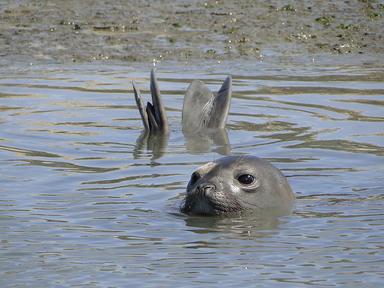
(237, 184)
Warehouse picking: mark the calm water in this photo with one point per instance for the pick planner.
(85, 201)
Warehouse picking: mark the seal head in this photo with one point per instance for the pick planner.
(237, 184)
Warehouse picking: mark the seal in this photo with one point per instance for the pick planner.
(237, 184)
(230, 185)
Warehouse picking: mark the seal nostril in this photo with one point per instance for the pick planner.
(206, 188)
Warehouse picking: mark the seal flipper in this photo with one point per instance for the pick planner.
(158, 107)
(140, 106)
(153, 116)
(222, 102)
(203, 109)
(197, 97)
(153, 124)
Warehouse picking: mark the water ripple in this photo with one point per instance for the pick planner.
(86, 200)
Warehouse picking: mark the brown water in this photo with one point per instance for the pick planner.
(86, 202)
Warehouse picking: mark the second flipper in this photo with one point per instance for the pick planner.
(204, 109)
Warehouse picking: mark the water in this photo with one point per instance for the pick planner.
(86, 202)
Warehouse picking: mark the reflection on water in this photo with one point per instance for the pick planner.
(215, 140)
(88, 199)
(156, 143)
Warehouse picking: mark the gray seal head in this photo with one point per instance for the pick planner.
(237, 184)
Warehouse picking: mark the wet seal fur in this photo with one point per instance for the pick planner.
(237, 184)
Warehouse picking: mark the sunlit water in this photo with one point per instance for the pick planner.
(86, 202)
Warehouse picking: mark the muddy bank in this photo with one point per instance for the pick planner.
(76, 31)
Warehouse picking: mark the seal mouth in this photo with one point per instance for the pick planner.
(202, 202)
(197, 203)
(223, 208)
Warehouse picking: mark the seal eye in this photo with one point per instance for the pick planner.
(195, 176)
(246, 179)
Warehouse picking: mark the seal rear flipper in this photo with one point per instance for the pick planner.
(140, 106)
(154, 116)
(221, 105)
(202, 109)
(158, 107)
(153, 124)
(198, 100)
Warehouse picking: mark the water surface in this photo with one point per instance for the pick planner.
(86, 201)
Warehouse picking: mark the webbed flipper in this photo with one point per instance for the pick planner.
(203, 109)
(154, 116)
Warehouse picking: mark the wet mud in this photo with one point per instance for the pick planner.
(77, 31)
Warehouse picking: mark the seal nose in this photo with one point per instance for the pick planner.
(206, 188)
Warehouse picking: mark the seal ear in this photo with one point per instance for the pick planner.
(203, 109)
(153, 116)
